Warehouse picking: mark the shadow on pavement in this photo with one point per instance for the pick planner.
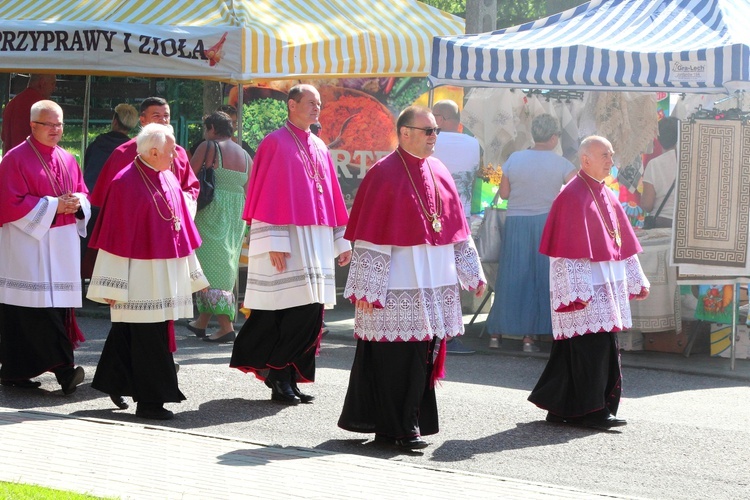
(365, 447)
(524, 435)
(48, 395)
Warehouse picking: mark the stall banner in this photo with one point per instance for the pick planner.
(209, 53)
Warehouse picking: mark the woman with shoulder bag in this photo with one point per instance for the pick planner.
(220, 226)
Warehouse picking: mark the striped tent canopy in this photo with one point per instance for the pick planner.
(224, 40)
(670, 45)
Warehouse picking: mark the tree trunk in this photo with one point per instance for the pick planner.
(211, 96)
(481, 16)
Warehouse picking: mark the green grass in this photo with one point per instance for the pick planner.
(15, 491)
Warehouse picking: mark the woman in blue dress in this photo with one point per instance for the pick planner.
(531, 180)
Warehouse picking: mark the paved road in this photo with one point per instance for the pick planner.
(687, 436)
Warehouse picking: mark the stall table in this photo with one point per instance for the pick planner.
(660, 311)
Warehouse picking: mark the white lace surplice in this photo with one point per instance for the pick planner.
(146, 290)
(606, 286)
(415, 289)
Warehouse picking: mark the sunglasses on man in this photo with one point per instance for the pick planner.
(427, 131)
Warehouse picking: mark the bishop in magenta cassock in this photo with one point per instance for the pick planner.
(413, 252)
(147, 272)
(594, 273)
(153, 110)
(297, 215)
(43, 213)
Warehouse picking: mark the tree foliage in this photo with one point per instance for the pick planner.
(455, 7)
(515, 12)
(509, 12)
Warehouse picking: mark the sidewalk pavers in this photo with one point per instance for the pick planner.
(131, 461)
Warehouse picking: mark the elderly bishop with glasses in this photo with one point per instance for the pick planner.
(43, 213)
(413, 252)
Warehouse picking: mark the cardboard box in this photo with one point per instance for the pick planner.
(630, 340)
(721, 341)
(669, 341)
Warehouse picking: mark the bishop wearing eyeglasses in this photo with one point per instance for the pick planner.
(43, 213)
(413, 252)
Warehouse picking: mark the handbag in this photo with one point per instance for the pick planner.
(649, 222)
(207, 178)
(490, 236)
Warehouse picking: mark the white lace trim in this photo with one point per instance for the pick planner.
(570, 280)
(637, 280)
(608, 307)
(368, 275)
(413, 315)
(468, 266)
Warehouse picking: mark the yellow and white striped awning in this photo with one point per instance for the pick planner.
(226, 40)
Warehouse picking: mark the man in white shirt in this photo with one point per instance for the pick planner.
(460, 153)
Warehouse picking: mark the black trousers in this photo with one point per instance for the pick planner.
(34, 340)
(136, 362)
(582, 376)
(281, 344)
(389, 390)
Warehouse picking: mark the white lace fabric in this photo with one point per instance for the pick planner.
(415, 290)
(605, 287)
(368, 274)
(468, 265)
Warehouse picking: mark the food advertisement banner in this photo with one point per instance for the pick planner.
(357, 118)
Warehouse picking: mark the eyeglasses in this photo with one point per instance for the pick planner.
(53, 125)
(428, 131)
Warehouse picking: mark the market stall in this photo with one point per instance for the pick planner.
(687, 46)
(670, 45)
(237, 41)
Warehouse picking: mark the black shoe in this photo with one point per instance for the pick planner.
(224, 339)
(153, 411)
(555, 419)
(412, 443)
(21, 384)
(383, 439)
(199, 332)
(455, 346)
(603, 423)
(119, 402)
(75, 378)
(305, 398)
(282, 392)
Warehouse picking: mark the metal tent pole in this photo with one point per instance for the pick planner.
(85, 124)
(240, 96)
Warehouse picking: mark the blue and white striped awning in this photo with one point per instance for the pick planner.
(670, 45)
